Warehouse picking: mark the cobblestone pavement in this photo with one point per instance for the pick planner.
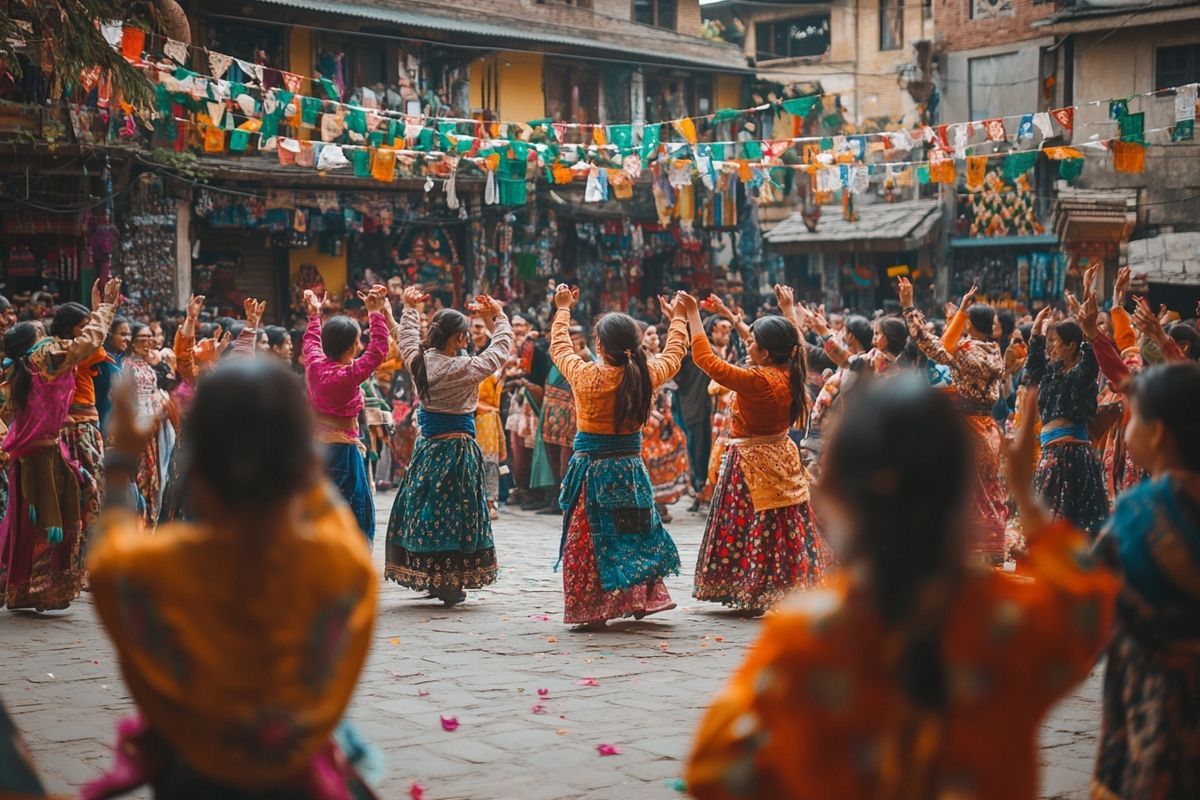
(482, 662)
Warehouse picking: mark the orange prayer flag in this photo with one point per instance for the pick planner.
(383, 165)
(686, 129)
(599, 137)
(744, 171)
(1129, 157)
(133, 41)
(214, 139)
(976, 172)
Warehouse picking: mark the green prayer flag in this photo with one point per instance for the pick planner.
(464, 144)
(800, 106)
(424, 140)
(1133, 127)
(752, 150)
(826, 144)
(545, 122)
(621, 135)
(309, 108)
(356, 121)
(270, 124)
(1070, 168)
(330, 90)
(375, 138)
(1017, 164)
(651, 138)
(923, 173)
(726, 115)
(360, 157)
(1183, 130)
(238, 141)
(444, 131)
(236, 90)
(1117, 108)
(717, 151)
(182, 74)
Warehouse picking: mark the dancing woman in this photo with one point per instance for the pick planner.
(335, 365)
(81, 435)
(615, 552)
(1070, 478)
(151, 405)
(40, 536)
(664, 444)
(760, 541)
(489, 428)
(977, 368)
(440, 534)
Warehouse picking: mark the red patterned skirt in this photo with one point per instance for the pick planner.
(664, 449)
(991, 499)
(751, 560)
(586, 601)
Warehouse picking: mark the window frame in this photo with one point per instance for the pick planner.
(889, 9)
(657, 15)
(1191, 71)
(772, 25)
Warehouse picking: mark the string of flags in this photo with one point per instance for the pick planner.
(256, 113)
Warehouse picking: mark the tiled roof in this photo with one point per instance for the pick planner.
(881, 226)
(569, 27)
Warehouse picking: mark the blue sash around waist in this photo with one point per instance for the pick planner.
(435, 423)
(631, 546)
(1079, 432)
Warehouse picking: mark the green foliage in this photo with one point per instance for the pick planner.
(64, 34)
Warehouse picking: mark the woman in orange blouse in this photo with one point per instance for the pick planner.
(615, 551)
(761, 540)
(917, 675)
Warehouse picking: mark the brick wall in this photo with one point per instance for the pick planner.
(959, 32)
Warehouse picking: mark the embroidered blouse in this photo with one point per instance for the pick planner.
(595, 384)
(453, 380)
(1063, 393)
(976, 367)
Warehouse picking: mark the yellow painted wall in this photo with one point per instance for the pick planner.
(300, 51)
(729, 91)
(332, 268)
(521, 97)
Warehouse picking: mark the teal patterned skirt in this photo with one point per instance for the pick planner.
(439, 535)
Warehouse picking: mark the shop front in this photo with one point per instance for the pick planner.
(859, 260)
(1013, 272)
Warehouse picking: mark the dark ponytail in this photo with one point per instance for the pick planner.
(445, 325)
(68, 315)
(906, 526)
(18, 341)
(983, 320)
(621, 339)
(779, 339)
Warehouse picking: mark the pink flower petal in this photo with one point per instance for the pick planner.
(540, 617)
(543, 692)
(416, 791)
(587, 682)
(450, 724)
(422, 693)
(608, 750)
(539, 708)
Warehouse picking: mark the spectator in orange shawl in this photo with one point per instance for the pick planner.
(916, 675)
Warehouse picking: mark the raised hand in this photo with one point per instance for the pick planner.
(254, 311)
(1072, 304)
(128, 434)
(488, 307)
(1121, 286)
(1088, 312)
(195, 305)
(1149, 324)
(565, 296)
(668, 306)
(904, 290)
(97, 295)
(1020, 464)
(689, 303)
(1040, 321)
(968, 298)
(786, 297)
(414, 296)
(112, 292)
(1089, 280)
(312, 303)
(375, 299)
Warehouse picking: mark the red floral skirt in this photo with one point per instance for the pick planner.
(586, 601)
(752, 560)
(991, 498)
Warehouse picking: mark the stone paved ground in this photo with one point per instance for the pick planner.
(482, 662)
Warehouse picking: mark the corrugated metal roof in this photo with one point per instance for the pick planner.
(906, 224)
(659, 45)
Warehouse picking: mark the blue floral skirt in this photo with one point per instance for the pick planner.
(439, 535)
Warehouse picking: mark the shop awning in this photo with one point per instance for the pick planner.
(1095, 216)
(1167, 258)
(616, 36)
(881, 227)
(1041, 240)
